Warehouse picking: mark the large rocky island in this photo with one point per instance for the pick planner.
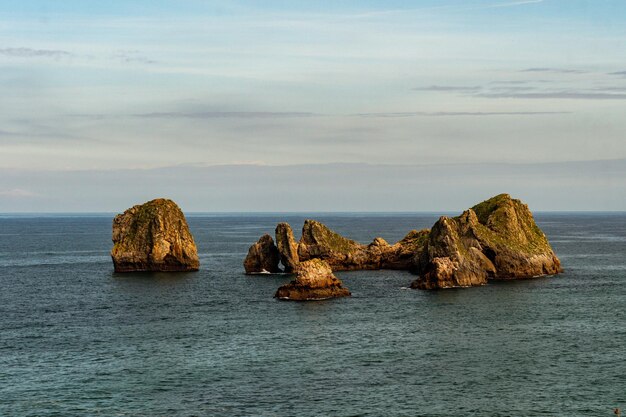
(153, 237)
(496, 239)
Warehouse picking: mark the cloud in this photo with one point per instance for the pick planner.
(567, 95)
(131, 57)
(510, 4)
(555, 70)
(224, 115)
(451, 8)
(447, 88)
(526, 90)
(444, 113)
(622, 73)
(33, 53)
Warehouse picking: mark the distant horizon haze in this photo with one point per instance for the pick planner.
(353, 187)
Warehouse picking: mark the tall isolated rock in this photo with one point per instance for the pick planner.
(287, 247)
(153, 237)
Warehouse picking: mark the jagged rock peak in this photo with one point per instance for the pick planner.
(287, 247)
(495, 239)
(153, 236)
(317, 233)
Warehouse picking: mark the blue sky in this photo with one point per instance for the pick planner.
(119, 86)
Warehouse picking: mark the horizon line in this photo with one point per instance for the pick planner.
(212, 213)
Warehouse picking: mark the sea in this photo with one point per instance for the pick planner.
(77, 339)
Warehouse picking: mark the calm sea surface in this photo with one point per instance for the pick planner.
(78, 340)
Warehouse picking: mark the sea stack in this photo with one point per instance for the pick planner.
(314, 281)
(263, 257)
(287, 247)
(153, 237)
(496, 239)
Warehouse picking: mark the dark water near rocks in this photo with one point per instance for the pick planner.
(77, 339)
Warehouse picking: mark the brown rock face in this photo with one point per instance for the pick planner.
(263, 257)
(314, 281)
(153, 237)
(453, 256)
(342, 254)
(496, 239)
(401, 255)
(287, 247)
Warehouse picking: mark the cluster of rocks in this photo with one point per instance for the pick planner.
(319, 242)
(497, 239)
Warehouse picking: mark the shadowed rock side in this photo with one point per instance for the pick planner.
(314, 281)
(153, 237)
(496, 239)
(263, 257)
(287, 247)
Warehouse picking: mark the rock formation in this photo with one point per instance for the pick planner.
(153, 237)
(314, 281)
(342, 254)
(401, 255)
(287, 247)
(263, 257)
(496, 239)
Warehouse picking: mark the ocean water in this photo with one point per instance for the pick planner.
(77, 339)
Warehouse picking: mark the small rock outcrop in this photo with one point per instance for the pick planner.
(153, 237)
(287, 247)
(263, 257)
(314, 281)
(496, 239)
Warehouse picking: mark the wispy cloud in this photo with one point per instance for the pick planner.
(451, 8)
(224, 115)
(133, 56)
(555, 70)
(34, 53)
(452, 113)
(621, 73)
(511, 4)
(566, 95)
(536, 89)
(447, 88)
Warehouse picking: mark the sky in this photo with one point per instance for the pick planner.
(312, 106)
